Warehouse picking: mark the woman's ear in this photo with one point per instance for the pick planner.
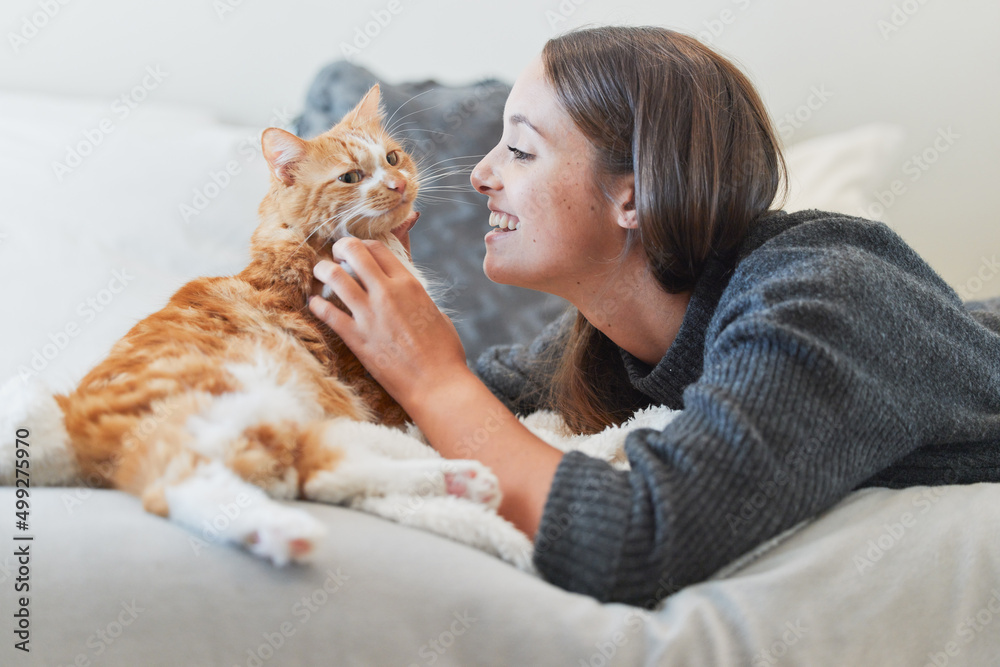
(624, 200)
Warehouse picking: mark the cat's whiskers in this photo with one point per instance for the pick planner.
(445, 169)
(441, 163)
(392, 129)
(459, 157)
(388, 123)
(449, 186)
(440, 169)
(323, 223)
(318, 227)
(432, 198)
(421, 129)
(441, 178)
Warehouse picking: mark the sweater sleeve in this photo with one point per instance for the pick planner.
(519, 375)
(773, 433)
(809, 371)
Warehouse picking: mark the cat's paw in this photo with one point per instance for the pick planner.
(282, 534)
(473, 482)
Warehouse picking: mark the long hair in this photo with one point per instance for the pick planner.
(694, 133)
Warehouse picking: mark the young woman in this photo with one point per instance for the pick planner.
(812, 353)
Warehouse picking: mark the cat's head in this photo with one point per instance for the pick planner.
(353, 179)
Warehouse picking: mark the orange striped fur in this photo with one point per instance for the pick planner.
(129, 420)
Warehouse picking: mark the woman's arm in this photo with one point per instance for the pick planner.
(414, 352)
(463, 419)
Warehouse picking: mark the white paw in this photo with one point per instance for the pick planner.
(281, 534)
(473, 481)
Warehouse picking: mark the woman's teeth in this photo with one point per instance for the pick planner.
(503, 221)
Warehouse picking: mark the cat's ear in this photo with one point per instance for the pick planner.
(282, 150)
(367, 110)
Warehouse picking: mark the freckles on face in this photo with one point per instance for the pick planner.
(566, 232)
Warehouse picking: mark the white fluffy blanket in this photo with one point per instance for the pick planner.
(30, 405)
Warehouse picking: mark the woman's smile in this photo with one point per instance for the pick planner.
(504, 221)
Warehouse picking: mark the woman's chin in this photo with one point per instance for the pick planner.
(496, 273)
(505, 275)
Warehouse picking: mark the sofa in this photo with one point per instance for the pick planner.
(906, 577)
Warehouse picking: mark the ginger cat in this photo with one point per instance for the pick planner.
(234, 393)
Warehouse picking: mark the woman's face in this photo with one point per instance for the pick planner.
(541, 181)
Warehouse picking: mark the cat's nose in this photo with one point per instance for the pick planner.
(398, 185)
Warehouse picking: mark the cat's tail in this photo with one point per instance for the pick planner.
(34, 444)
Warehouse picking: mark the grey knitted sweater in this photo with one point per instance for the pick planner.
(825, 357)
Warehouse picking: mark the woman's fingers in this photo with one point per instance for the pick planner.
(386, 259)
(358, 255)
(334, 317)
(341, 282)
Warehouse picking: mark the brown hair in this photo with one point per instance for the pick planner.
(694, 132)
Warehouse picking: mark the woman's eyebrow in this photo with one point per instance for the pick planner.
(517, 119)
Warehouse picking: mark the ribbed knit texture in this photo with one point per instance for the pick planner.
(828, 356)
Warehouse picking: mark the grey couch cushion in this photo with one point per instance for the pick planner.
(444, 125)
(112, 585)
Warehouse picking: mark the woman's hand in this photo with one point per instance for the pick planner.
(414, 352)
(394, 327)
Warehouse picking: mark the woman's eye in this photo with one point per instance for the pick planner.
(519, 154)
(392, 158)
(351, 176)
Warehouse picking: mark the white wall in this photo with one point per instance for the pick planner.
(244, 59)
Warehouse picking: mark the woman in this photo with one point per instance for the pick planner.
(812, 353)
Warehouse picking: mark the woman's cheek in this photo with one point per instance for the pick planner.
(532, 203)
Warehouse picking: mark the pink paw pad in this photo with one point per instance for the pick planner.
(300, 548)
(457, 483)
(471, 485)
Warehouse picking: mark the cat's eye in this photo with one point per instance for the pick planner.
(351, 176)
(392, 158)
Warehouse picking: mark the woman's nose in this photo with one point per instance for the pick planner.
(483, 177)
